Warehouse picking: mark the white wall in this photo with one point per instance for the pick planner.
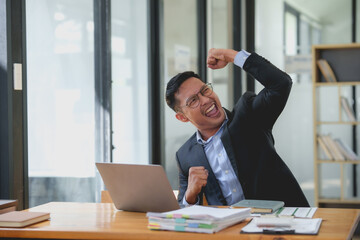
(269, 30)
(337, 25)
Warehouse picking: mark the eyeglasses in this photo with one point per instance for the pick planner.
(193, 101)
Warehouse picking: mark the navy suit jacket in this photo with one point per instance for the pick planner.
(249, 143)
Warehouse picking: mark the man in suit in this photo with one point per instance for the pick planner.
(232, 155)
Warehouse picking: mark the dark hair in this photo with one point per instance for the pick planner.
(173, 86)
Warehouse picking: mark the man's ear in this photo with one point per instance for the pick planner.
(181, 117)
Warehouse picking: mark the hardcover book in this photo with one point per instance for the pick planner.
(7, 206)
(260, 206)
(326, 70)
(325, 148)
(348, 110)
(335, 151)
(346, 150)
(22, 219)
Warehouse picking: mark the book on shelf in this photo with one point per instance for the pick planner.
(196, 218)
(336, 149)
(260, 206)
(325, 148)
(7, 205)
(326, 70)
(348, 153)
(22, 218)
(348, 110)
(332, 147)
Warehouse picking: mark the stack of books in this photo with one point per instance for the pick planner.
(336, 149)
(197, 219)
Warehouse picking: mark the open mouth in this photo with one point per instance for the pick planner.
(212, 111)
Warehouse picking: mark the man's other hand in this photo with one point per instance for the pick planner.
(196, 180)
(219, 58)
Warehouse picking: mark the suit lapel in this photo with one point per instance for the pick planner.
(200, 157)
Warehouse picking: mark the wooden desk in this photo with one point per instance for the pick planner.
(103, 221)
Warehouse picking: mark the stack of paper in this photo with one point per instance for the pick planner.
(197, 219)
(283, 226)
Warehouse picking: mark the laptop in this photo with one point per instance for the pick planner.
(138, 188)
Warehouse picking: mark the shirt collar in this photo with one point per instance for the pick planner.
(201, 141)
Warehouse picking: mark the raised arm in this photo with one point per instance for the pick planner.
(271, 100)
(269, 103)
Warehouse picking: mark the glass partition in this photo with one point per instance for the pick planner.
(180, 54)
(60, 81)
(130, 108)
(220, 36)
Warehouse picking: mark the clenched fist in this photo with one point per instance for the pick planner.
(219, 58)
(196, 180)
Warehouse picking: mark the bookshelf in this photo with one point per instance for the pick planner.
(330, 118)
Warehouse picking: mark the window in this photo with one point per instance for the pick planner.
(180, 54)
(220, 24)
(60, 63)
(130, 108)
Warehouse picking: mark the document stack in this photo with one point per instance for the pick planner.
(278, 225)
(197, 219)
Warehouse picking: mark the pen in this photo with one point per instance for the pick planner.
(279, 231)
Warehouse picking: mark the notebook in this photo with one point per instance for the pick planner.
(138, 188)
(22, 218)
(7, 205)
(260, 206)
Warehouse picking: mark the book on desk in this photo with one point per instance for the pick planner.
(7, 205)
(22, 218)
(260, 206)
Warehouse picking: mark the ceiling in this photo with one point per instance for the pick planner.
(320, 9)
